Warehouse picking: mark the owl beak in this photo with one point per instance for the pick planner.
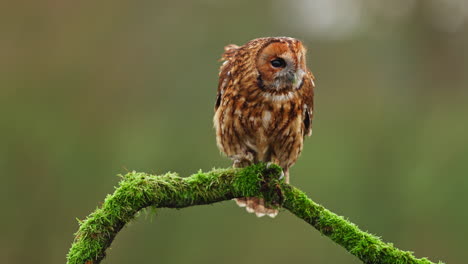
(291, 76)
(296, 78)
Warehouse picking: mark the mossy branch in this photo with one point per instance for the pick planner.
(139, 190)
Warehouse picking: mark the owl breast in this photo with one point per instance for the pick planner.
(267, 125)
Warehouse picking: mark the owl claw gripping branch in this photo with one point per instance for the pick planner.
(264, 107)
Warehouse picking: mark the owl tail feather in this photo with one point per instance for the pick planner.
(257, 206)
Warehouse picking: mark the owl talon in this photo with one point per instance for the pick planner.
(281, 175)
(268, 165)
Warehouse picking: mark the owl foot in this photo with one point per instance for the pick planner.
(268, 165)
(241, 161)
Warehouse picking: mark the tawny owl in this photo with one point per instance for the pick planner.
(264, 106)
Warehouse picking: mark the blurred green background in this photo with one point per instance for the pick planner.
(90, 89)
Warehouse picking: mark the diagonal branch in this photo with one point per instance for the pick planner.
(139, 190)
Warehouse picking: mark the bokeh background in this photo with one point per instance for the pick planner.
(90, 89)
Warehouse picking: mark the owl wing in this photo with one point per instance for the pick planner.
(308, 89)
(225, 71)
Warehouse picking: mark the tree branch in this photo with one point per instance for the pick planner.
(139, 190)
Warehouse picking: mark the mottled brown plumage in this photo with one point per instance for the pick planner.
(264, 106)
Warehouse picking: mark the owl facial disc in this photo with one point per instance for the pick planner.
(281, 64)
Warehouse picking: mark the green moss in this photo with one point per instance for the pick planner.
(367, 247)
(139, 190)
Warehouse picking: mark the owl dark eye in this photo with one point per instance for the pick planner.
(278, 63)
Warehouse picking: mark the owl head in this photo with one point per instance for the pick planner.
(281, 63)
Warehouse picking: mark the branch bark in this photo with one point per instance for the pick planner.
(139, 190)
